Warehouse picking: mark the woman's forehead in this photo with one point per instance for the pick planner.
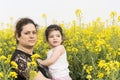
(29, 27)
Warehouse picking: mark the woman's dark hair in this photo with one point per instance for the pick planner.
(52, 28)
(19, 26)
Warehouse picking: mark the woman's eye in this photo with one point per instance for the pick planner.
(26, 33)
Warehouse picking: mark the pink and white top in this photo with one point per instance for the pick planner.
(60, 67)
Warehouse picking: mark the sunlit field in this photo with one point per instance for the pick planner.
(93, 48)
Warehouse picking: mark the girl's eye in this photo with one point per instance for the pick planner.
(34, 32)
(51, 36)
(58, 35)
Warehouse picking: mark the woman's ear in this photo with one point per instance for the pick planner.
(16, 36)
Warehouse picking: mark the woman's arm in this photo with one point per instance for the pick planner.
(40, 77)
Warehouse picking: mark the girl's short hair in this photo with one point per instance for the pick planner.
(52, 28)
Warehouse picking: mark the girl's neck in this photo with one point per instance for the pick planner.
(28, 50)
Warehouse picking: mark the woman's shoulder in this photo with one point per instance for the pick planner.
(18, 54)
(15, 54)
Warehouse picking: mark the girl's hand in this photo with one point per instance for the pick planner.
(39, 60)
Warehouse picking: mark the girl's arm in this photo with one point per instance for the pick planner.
(57, 52)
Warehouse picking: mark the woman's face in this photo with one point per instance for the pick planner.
(28, 36)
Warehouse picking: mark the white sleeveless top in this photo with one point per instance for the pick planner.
(60, 67)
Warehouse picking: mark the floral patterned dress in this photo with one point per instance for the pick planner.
(21, 58)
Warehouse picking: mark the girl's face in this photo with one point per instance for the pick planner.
(54, 38)
(28, 36)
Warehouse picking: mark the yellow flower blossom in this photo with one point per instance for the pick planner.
(88, 71)
(1, 75)
(75, 50)
(33, 63)
(8, 59)
(3, 57)
(101, 63)
(85, 66)
(0, 49)
(44, 15)
(119, 18)
(12, 74)
(35, 56)
(113, 13)
(62, 25)
(78, 12)
(100, 75)
(90, 68)
(88, 77)
(14, 64)
(107, 69)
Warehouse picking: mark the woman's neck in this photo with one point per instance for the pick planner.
(28, 50)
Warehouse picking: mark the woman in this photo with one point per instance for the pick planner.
(26, 37)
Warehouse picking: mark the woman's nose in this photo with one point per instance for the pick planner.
(31, 35)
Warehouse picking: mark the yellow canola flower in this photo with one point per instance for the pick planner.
(33, 63)
(8, 59)
(90, 68)
(113, 13)
(98, 19)
(100, 75)
(68, 49)
(0, 49)
(78, 12)
(14, 64)
(88, 71)
(12, 74)
(89, 77)
(118, 53)
(100, 42)
(35, 56)
(1, 75)
(101, 63)
(118, 49)
(75, 50)
(119, 18)
(107, 70)
(85, 66)
(3, 57)
(44, 15)
(114, 65)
